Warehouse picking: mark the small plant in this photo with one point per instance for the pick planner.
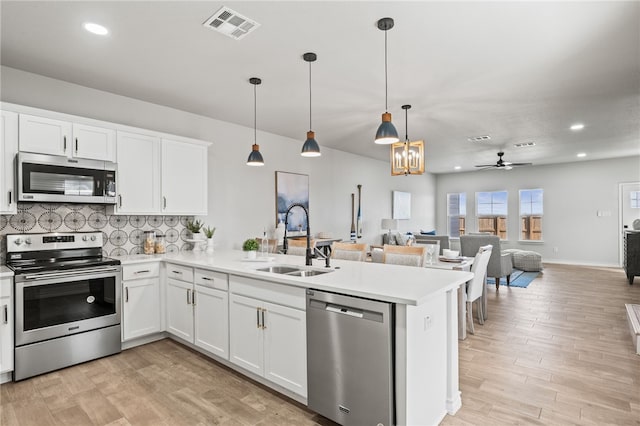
(194, 226)
(209, 231)
(250, 245)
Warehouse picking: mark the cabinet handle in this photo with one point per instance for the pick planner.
(5, 314)
(258, 317)
(264, 327)
(193, 298)
(126, 294)
(164, 202)
(64, 139)
(10, 197)
(177, 272)
(142, 272)
(120, 200)
(188, 296)
(207, 278)
(76, 145)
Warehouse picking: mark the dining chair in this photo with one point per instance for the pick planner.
(349, 251)
(404, 255)
(298, 246)
(272, 245)
(476, 285)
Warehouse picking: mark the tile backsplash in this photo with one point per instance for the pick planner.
(121, 234)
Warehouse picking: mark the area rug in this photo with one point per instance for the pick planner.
(518, 279)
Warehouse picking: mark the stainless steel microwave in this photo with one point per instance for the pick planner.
(52, 178)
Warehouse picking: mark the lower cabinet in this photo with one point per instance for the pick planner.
(141, 307)
(268, 338)
(6, 325)
(198, 308)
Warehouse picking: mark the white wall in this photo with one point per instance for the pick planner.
(242, 198)
(573, 194)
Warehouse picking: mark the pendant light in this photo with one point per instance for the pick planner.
(387, 133)
(255, 158)
(310, 147)
(407, 158)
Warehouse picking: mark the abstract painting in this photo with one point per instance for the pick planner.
(401, 205)
(292, 188)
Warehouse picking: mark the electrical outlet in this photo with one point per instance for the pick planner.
(427, 323)
(555, 249)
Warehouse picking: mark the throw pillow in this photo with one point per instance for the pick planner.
(427, 232)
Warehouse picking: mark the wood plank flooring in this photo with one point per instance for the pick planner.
(558, 352)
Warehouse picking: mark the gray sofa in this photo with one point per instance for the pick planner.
(401, 239)
(500, 264)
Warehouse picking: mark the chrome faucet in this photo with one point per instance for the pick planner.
(309, 254)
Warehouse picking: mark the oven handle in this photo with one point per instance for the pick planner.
(70, 274)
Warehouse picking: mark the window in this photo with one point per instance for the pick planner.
(491, 210)
(531, 214)
(635, 199)
(456, 212)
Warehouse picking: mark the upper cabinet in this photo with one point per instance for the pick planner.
(8, 151)
(44, 135)
(184, 178)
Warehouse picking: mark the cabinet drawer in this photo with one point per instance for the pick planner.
(280, 294)
(212, 279)
(141, 270)
(6, 285)
(182, 273)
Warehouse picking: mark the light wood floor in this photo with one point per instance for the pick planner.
(558, 352)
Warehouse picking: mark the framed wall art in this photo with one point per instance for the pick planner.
(401, 205)
(292, 188)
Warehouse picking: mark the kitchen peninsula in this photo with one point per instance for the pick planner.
(192, 284)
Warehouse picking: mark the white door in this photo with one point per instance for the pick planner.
(138, 174)
(44, 135)
(95, 143)
(212, 320)
(140, 308)
(246, 347)
(6, 326)
(285, 347)
(8, 151)
(629, 210)
(184, 178)
(180, 309)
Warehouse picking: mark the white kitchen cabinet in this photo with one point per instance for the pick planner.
(267, 337)
(180, 309)
(44, 135)
(138, 175)
(8, 151)
(6, 325)
(184, 178)
(141, 307)
(211, 320)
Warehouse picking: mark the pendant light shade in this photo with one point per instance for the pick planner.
(387, 133)
(255, 158)
(310, 147)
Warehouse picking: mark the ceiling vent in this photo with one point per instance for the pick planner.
(230, 23)
(479, 138)
(524, 144)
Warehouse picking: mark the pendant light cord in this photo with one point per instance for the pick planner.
(255, 116)
(386, 108)
(310, 127)
(406, 125)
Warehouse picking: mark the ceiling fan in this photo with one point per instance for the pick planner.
(501, 164)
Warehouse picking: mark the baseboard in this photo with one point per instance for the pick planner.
(575, 263)
(143, 340)
(6, 377)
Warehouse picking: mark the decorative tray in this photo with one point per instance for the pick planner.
(458, 259)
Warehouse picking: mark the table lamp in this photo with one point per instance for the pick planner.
(390, 224)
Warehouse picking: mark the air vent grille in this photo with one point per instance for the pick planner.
(231, 23)
(479, 138)
(524, 144)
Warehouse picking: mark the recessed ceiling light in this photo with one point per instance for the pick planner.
(457, 168)
(479, 138)
(95, 28)
(581, 154)
(524, 144)
(577, 126)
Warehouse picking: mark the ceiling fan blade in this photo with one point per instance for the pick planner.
(486, 165)
(520, 164)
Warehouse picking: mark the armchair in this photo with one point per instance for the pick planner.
(500, 264)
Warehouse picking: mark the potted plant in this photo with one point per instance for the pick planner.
(250, 246)
(208, 232)
(194, 227)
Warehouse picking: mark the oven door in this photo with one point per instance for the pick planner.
(55, 304)
(61, 179)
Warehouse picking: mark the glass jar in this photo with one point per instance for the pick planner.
(149, 242)
(160, 247)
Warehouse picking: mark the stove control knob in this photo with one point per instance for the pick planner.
(93, 238)
(18, 241)
(27, 240)
(84, 238)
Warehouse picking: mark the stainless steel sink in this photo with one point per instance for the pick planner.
(279, 269)
(307, 272)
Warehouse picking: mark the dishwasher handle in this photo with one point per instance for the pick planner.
(344, 310)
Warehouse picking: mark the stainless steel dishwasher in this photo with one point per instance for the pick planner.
(350, 359)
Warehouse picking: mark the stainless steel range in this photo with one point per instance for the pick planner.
(67, 301)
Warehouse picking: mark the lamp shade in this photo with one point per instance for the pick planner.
(255, 158)
(387, 133)
(310, 147)
(390, 224)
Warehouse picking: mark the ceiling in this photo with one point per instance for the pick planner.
(517, 71)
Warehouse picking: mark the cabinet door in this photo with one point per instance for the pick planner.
(44, 135)
(184, 178)
(212, 320)
(140, 308)
(180, 309)
(95, 143)
(138, 173)
(8, 151)
(245, 334)
(6, 325)
(285, 347)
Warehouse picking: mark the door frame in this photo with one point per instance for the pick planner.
(620, 220)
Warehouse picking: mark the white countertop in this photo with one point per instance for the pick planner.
(5, 272)
(392, 283)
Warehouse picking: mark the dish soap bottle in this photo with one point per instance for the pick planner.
(264, 244)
